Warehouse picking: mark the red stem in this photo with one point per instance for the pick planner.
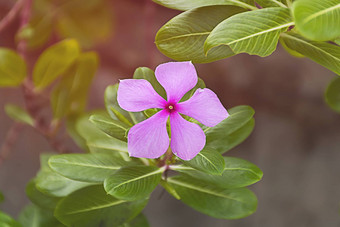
(10, 16)
(9, 142)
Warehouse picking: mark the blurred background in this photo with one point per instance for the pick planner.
(296, 140)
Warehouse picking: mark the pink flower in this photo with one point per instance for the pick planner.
(149, 138)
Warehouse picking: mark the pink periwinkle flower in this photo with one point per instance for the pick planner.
(149, 138)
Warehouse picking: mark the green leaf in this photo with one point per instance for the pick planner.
(149, 75)
(208, 161)
(12, 68)
(325, 54)
(8, 221)
(214, 201)
(182, 38)
(18, 114)
(53, 184)
(255, 32)
(237, 173)
(114, 128)
(332, 95)
(96, 140)
(92, 206)
(2, 197)
(191, 4)
(232, 130)
(33, 216)
(317, 20)
(337, 41)
(86, 167)
(40, 199)
(70, 95)
(133, 182)
(139, 221)
(200, 84)
(290, 51)
(54, 61)
(272, 3)
(118, 113)
(169, 189)
(237, 137)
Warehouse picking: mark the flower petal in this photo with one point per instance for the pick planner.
(205, 107)
(149, 138)
(137, 95)
(177, 78)
(187, 139)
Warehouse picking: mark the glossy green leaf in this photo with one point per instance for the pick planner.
(54, 184)
(33, 216)
(70, 95)
(332, 95)
(208, 161)
(169, 189)
(255, 32)
(272, 3)
(8, 221)
(92, 206)
(118, 113)
(150, 112)
(139, 221)
(54, 61)
(182, 38)
(40, 199)
(317, 20)
(325, 54)
(214, 201)
(149, 75)
(18, 114)
(232, 130)
(12, 68)
(200, 84)
(133, 182)
(86, 167)
(191, 4)
(114, 128)
(237, 137)
(96, 140)
(237, 173)
(290, 51)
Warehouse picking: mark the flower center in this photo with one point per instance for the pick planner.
(170, 107)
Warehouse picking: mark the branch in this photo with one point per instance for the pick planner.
(9, 142)
(10, 16)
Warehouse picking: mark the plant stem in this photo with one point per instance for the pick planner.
(289, 3)
(9, 141)
(25, 17)
(10, 16)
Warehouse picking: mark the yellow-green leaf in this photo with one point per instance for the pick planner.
(191, 4)
(88, 21)
(54, 61)
(255, 32)
(317, 19)
(70, 95)
(18, 114)
(12, 68)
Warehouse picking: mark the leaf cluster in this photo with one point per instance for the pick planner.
(87, 21)
(215, 29)
(62, 70)
(106, 187)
